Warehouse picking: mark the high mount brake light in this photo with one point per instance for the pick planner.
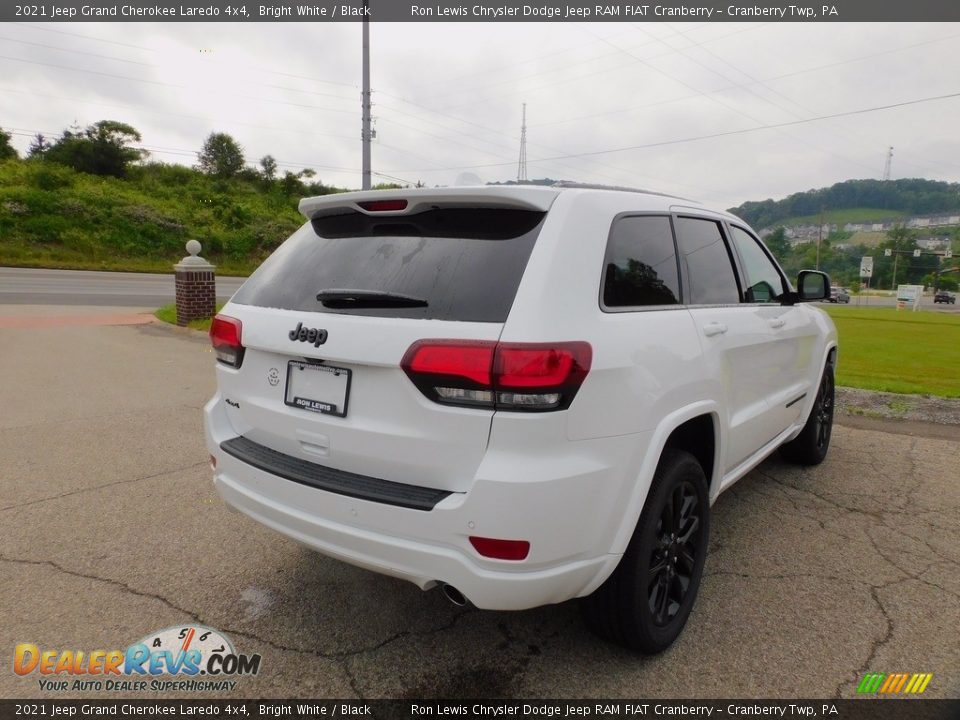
(383, 205)
(531, 377)
(225, 336)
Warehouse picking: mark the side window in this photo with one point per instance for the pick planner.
(709, 266)
(764, 282)
(640, 267)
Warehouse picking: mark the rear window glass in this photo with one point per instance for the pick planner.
(641, 264)
(464, 263)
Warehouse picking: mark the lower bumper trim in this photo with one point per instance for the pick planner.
(340, 482)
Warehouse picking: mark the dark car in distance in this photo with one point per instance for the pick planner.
(943, 296)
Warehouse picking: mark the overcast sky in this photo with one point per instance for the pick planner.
(447, 98)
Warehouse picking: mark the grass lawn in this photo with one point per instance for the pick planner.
(898, 351)
(19, 254)
(168, 313)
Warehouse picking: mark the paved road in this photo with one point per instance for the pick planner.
(110, 528)
(84, 287)
(926, 303)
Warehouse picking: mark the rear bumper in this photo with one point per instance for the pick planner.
(566, 519)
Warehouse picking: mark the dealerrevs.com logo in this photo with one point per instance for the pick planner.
(188, 658)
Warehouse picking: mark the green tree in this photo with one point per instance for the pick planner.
(7, 151)
(292, 183)
(102, 149)
(39, 146)
(778, 243)
(221, 156)
(268, 165)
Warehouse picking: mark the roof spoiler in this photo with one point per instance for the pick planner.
(514, 197)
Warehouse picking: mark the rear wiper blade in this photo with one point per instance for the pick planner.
(343, 298)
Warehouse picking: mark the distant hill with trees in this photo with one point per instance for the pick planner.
(884, 199)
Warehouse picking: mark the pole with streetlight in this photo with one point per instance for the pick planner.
(365, 133)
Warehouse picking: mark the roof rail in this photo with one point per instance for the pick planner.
(569, 184)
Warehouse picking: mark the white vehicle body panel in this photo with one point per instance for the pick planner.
(573, 482)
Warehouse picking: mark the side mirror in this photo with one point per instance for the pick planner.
(813, 285)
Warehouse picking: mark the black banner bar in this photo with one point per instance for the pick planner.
(480, 11)
(867, 708)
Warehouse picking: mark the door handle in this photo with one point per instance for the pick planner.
(714, 328)
(777, 322)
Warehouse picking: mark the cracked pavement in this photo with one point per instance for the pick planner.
(110, 528)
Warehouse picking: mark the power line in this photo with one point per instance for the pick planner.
(174, 85)
(566, 68)
(154, 50)
(767, 100)
(592, 116)
(155, 111)
(727, 133)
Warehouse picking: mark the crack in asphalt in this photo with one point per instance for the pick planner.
(343, 657)
(904, 498)
(878, 643)
(80, 491)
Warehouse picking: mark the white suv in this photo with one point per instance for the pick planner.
(521, 394)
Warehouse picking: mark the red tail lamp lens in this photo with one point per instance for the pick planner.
(542, 366)
(525, 377)
(467, 360)
(501, 549)
(225, 336)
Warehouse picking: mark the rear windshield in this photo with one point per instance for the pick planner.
(465, 263)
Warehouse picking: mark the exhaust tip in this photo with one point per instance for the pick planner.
(453, 595)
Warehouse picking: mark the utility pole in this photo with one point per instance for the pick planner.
(819, 236)
(522, 165)
(365, 133)
(886, 167)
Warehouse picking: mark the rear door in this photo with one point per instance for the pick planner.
(735, 337)
(328, 318)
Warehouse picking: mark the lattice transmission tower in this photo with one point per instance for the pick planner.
(522, 165)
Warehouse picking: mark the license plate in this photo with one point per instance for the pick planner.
(318, 388)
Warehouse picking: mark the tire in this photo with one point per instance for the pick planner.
(811, 445)
(645, 603)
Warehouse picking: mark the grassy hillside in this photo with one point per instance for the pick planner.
(862, 199)
(53, 216)
(844, 216)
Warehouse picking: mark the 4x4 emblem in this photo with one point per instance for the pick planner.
(311, 335)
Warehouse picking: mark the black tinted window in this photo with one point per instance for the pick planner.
(710, 269)
(466, 263)
(764, 283)
(641, 263)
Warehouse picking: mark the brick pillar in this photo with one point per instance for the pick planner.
(196, 287)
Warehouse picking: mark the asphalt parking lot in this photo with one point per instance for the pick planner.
(110, 528)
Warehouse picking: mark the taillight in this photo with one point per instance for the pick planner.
(505, 376)
(225, 334)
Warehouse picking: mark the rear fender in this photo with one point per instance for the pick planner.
(651, 459)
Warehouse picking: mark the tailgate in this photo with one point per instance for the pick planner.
(389, 430)
(328, 318)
